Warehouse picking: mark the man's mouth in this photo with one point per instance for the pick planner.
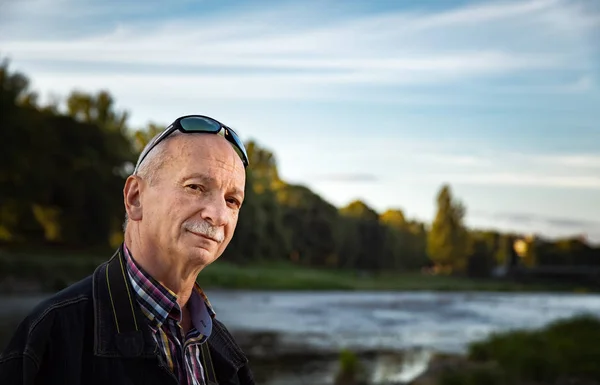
(204, 236)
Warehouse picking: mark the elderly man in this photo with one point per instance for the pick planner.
(140, 318)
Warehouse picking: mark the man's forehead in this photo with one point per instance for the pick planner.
(200, 154)
(204, 145)
(215, 179)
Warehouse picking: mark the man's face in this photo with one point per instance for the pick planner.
(191, 210)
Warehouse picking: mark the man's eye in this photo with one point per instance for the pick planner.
(196, 187)
(234, 202)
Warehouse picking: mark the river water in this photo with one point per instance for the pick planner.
(415, 323)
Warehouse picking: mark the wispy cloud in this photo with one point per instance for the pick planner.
(556, 162)
(581, 84)
(493, 168)
(588, 161)
(529, 223)
(530, 218)
(454, 160)
(301, 57)
(488, 157)
(346, 178)
(523, 179)
(433, 162)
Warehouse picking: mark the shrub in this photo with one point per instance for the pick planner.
(567, 348)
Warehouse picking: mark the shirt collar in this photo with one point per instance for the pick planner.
(159, 303)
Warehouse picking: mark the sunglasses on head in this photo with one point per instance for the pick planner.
(199, 124)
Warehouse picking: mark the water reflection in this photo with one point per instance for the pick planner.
(295, 338)
(401, 369)
(393, 321)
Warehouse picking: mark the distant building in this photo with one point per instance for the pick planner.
(520, 247)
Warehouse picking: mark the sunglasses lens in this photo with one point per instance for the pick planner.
(199, 124)
(239, 146)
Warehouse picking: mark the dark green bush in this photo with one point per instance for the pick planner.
(478, 375)
(568, 348)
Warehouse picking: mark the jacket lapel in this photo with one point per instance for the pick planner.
(227, 356)
(120, 328)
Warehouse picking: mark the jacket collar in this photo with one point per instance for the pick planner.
(122, 330)
(120, 327)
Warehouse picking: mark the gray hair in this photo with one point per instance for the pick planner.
(149, 169)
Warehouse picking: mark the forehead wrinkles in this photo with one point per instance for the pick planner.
(213, 148)
(213, 173)
(212, 156)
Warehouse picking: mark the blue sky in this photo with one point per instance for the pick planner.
(379, 101)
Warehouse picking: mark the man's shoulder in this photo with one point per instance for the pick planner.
(73, 296)
(36, 328)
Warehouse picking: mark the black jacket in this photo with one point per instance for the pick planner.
(93, 333)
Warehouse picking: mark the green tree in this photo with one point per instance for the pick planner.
(394, 217)
(365, 238)
(260, 233)
(60, 178)
(14, 87)
(396, 237)
(447, 243)
(417, 254)
(142, 137)
(97, 109)
(313, 225)
(406, 241)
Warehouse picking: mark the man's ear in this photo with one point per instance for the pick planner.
(131, 197)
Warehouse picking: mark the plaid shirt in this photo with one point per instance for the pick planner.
(159, 304)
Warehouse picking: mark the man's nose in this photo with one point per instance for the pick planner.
(215, 211)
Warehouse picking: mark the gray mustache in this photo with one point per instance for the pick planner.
(206, 229)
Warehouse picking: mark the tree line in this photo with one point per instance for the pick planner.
(63, 166)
